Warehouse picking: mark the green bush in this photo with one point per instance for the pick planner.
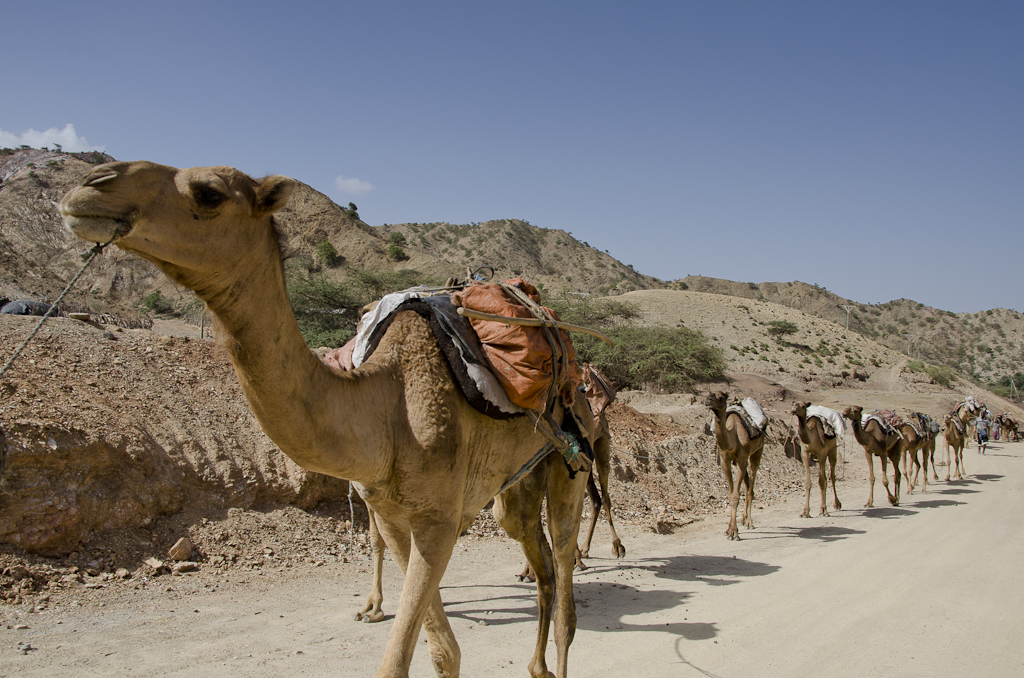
(940, 374)
(396, 238)
(157, 303)
(326, 254)
(396, 253)
(669, 359)
(914, 366)
(327, 310)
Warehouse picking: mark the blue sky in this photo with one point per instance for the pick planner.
(873, 148)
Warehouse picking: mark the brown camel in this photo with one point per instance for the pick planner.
(1009, 427)
(735, 448)
(821, 447)
(397, 426)
(956, 438)
(877, 442)
(911, 442)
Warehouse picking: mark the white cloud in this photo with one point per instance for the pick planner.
(67, 138)
(352, 186)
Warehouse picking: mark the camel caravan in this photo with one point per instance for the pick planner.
(446, 399)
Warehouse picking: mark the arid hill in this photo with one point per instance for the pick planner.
(986, 345)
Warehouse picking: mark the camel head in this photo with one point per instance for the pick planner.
(195, 224)
(717, 400)
(800, 409)
(853, 413)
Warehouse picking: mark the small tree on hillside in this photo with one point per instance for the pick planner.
(778, 329)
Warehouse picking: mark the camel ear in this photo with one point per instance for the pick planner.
(272, 194)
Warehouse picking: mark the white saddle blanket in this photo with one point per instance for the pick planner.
(830, 417)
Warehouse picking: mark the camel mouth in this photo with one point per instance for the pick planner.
(97, 228)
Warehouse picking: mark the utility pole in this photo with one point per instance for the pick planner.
(847, 309)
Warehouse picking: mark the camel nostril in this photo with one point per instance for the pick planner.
(99, 178)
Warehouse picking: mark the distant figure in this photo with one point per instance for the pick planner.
(982, 428)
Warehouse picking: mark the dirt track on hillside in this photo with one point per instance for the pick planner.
(931, 588)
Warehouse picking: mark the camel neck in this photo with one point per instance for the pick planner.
(302, 405)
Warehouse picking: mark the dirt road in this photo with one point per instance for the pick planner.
(931, 588)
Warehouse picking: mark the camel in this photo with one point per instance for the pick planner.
(876, 443)
(821, 447)
(735, 448)
(397, 426)
(956, 437)
(910, 443)
(1009, 427)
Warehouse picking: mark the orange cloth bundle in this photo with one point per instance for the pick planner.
(520, 357)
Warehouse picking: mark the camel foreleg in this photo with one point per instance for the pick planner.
(807, 483)
(518, 510)
(871, 479)
(422, 551)
(565, 506)
(749, 476)
(732, 532)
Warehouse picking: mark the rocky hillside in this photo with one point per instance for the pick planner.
(38, 256)
(986, 345)
(550, 258)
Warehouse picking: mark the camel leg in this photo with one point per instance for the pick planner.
(423, 553)
(835, 495)
(924, 477)
(807, 483)
(750, 476)
(910, 462)
(732, 532)
(823, 485)
(518, 510)
(595, 503)
(602, 464)
(371, 612)
(931, 454)
(948, 460)
(871, 479)
(565, 506)
(894, 458)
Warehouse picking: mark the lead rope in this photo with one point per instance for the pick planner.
(88, 260)
(96, 249)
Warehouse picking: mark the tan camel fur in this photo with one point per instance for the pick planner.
(397, 426)
(817, 445)
(1009, 427)
(909, 445)
(371, 611)
(735, 448)
(956, 438)
(877, 443)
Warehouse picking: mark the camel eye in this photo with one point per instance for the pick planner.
(208, 197)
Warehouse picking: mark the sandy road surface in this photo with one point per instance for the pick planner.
(934, 587)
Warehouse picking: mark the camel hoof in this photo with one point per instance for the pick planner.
(369, 617)
(805, 514)
(824, 514)
(585, 554)
(838, 505)
(618, 549)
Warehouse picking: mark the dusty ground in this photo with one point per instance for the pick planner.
(898, 591)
